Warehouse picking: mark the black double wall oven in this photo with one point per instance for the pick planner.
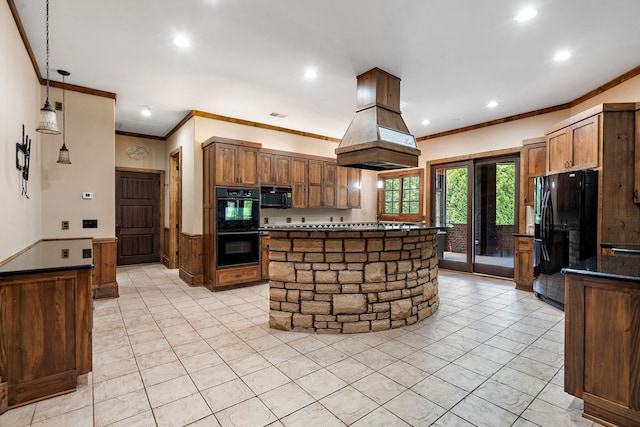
(237, 235)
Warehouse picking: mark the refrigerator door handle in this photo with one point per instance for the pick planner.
(546, 226)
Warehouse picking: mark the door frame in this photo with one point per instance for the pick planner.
(161, 202)
(175, 208)
(469, 160)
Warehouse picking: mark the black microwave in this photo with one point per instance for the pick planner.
(275, 197)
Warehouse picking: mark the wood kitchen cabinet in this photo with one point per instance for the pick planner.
(574, 147)
(264, 256)
(46, 320)
(275, 170)
(602, 344)
(523, 262)
(322, 184)
(636, 167)
(533, 158)
(348, 187)
(299, 182)
(236, 165)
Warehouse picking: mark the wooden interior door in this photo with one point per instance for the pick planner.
(137, 217)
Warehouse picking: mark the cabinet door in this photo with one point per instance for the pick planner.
(584, 144)
(281, 170)
(355, 182)
(315, 183)
(558, 151)
(299, 177)
(226, 161)
(537, 162)
(247, 167)
(523, 265)
(329, 184)
(265, 169)
(342, 189)
(264, 256)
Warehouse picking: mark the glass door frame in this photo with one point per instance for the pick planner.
(470, 265)
(492, 269)
(450, 264)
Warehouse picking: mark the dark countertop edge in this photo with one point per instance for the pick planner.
(523, 235)
(345, 229)
(46, 270)
(608, 276)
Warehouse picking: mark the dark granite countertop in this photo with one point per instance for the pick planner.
(618, 267)
(348, 226)
(46, 256)
(523, 235)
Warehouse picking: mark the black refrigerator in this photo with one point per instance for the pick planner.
(565, 229)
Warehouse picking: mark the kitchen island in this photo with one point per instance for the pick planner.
(349, 278)
(46, 318)
(602, 337)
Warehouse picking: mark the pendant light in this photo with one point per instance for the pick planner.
(63, 157)
(48, 122)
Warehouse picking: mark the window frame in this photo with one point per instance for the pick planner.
(401, 174)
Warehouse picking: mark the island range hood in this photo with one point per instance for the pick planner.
(377, 138)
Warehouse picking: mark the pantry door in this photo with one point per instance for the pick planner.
(137, 217)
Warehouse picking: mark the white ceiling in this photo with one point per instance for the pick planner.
(247, 57)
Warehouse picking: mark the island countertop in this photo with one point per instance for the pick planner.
(47, 255)
(618, 267)
(349, 226)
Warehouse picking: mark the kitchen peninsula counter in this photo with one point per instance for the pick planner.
(351, 277)
(602, 337)
(46, 319)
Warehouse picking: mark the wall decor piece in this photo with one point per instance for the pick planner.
(137, 152)
(22, 161)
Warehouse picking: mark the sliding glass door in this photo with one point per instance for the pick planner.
(476, 202)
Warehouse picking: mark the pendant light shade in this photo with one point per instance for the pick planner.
(48, 122)
(63, 157)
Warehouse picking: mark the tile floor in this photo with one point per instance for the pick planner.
(169, 355)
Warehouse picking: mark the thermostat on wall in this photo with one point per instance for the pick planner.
(87, 195)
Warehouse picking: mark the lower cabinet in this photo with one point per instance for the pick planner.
(602, 348)
(264, 256)
(237, 275)
(523, 263)
(45, 333)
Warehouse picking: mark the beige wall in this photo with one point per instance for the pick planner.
(20, 101)
(90, 139)
(628, 91)
(128, 146)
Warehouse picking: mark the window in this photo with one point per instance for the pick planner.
(400, 195)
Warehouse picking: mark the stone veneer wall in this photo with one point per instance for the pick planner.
(351, 281)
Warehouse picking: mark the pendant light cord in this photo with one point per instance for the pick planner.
(47, 38)
(64, 110)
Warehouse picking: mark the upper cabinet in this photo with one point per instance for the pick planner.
(348, 188)
(299, 182)
(236, 165)
(574, 147)
(636, 188)
(275, 169)
(322, 184)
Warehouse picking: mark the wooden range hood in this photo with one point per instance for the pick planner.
(378, 138)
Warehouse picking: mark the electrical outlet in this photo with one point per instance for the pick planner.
(89, 223)
(330, 219)
(266, 220)
(341, 219)
(65, 225)
(302, 219)
(288, 220)
(86, 253)
(65, 253)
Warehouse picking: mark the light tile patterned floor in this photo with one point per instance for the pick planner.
(166, 354)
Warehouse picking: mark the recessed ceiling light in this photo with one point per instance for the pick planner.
(146, 111)
(562, 55)
(525, 15)
(278, 115)
(492, 104)
(310, 74)
(426, 122)
(182, 42)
